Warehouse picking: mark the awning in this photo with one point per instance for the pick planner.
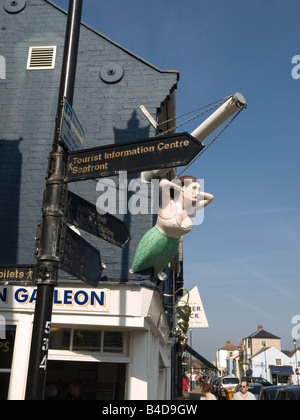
(281, 370)
(205, 364)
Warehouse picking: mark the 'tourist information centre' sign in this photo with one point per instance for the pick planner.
(143, 155)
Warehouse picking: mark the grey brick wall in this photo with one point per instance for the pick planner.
(28, 99)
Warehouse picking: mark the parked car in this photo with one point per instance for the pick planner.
(253, 388)
(269, 393)
(228, 382)
(257, 380)
(288, 393)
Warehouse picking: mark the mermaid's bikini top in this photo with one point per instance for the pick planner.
(171, 228)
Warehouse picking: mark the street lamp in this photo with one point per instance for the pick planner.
(296, 370)
(266, 365)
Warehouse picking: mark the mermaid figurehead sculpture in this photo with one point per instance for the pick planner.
(180, 199)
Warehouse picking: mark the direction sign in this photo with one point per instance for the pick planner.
(142, 155)
(84, 215)
(17, 273)
(71, 131)
(81, 259)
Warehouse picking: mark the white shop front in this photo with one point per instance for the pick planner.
(115, 339)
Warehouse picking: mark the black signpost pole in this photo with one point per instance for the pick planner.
(50, 232)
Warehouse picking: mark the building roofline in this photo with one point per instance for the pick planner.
(229, 347)
(262, 334)
(117, 44)
(262, 350)
(290, 353)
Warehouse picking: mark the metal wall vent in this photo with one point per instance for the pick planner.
(41, 58)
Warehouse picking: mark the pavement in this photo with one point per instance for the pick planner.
(195, 394)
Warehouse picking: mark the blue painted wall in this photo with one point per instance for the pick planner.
(108, 113)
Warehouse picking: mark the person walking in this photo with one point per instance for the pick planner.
(206, 394)
(185, 386)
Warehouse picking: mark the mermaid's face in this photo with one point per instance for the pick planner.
(191, 193)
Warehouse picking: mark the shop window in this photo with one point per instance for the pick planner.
(60, 338)
(6, 355)
(86, 340)
(113, 342)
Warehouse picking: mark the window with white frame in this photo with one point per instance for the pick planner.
(88, 340)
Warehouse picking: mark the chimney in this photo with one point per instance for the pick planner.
(260, 327)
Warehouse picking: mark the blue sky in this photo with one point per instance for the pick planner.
(245, 257)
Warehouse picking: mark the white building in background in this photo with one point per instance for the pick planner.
(275, 366)
(224, 355)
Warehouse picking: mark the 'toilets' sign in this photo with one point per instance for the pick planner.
(17, 273)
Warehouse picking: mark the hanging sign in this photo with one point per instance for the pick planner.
(81, 259)
(84, 215)
(143, 155)
(198, 317)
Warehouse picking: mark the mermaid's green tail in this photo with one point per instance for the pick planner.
(155, 251)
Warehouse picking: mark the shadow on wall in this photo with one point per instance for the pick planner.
(132, 133)
(10, 179)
